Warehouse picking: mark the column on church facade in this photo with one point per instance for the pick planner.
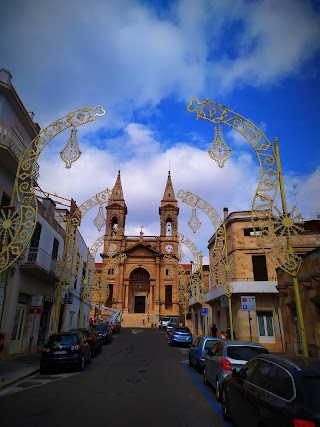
(151, 296)
(126, 304)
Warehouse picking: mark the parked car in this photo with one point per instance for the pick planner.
(169, 328)
(226, 355)
(274, 391)
(104, 331)
(92, 338)
(164, 321)
(198, 351)
(65, 350)
(180, 335)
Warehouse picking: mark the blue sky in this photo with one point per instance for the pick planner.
(143, 61)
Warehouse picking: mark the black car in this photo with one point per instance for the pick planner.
(104, 331)
(65, 350)
(92, 338)
(274, 391)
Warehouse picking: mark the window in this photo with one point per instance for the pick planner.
(265, 326)
(260, 272)
(168, 295)
(169, 272)
(197, 342)
(55, 248)
(169, 227)
(114, 223)
(245, 352)
(111, 271)
(283, 385)
(217, 350)
(264, 375)
(5, 200)
(246, 373)
(34, 243)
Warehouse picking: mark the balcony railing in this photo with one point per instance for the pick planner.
(11, 141)
(38, 258)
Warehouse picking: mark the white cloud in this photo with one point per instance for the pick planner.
(130, 58)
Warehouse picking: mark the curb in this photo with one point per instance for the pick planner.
(11, 383)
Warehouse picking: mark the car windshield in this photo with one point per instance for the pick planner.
(101, 328)
(62, 340)
(245, 352)
(165, 319)
(183, 330)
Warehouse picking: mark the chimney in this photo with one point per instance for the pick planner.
(5, 76)
(225, 213)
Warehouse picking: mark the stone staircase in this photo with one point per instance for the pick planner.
(134, 320)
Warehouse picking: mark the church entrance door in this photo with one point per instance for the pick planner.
(139, 304)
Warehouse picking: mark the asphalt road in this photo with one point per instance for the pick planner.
(137, 380)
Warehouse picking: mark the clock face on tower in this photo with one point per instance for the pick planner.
(112, 248)
(169, 248)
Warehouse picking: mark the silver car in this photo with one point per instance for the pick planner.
(225, 356)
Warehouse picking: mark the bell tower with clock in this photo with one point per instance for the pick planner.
(169, 212)
(116, 219)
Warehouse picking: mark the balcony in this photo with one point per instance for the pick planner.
(13, 145)
(38, 263)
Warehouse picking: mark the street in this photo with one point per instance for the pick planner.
(137, 380)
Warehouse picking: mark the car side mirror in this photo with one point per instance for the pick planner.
(235, 373)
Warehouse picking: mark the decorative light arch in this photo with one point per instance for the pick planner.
(18, 224)
(271, 226)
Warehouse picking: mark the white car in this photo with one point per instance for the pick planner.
(168, 319)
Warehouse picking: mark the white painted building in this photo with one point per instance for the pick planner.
(32, 279)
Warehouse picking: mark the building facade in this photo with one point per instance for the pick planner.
(254, 275)
(28, 287)
(309, 290)
(145, 279)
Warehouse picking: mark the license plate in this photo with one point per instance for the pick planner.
(60, 352)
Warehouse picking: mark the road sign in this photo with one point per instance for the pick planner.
(35, 310)
(203, 311)
(224, 303)
(36, 300)
(68, 298)
(248, 303)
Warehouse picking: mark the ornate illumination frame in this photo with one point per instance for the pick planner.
(269, 224)
(16, 228)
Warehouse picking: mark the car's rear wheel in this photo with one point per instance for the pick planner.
(82, 362)
(205, 379)
(199, 369)
(225, 406)
(190, 363)
(218, 390)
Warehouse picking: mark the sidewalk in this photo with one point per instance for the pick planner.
(18, 368)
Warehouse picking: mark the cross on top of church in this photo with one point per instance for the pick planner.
(141, 232)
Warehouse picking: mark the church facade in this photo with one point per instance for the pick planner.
(141, 271)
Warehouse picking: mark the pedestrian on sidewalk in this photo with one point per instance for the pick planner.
(214, 330)
(143, 320)
(148, 317)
